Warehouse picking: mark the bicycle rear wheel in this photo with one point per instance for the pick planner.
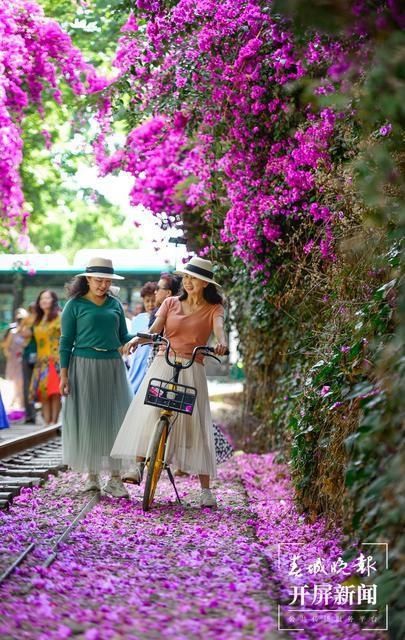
(156, 462)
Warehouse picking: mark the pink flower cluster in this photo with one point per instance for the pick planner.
(35, 55)
(234, 143)
(153, 152)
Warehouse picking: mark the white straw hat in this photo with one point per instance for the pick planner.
(198, 268)
(101, 268)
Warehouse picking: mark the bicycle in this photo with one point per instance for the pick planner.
(171, 397)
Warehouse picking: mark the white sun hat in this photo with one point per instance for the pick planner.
(198, 268)
(100, 268)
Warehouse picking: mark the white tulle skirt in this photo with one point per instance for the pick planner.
(190, 446)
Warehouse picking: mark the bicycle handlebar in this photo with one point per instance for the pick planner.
(156, 338)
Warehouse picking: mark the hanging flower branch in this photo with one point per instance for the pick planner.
(235, 144)
(36, 55)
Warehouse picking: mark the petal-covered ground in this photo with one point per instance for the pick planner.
(177, 572)
(309, 558)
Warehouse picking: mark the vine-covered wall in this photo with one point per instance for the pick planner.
(276, 146)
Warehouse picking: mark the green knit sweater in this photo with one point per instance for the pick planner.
(92, 331)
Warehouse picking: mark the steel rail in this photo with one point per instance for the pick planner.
(87, 507)
(21, 443)
(17, 562)
(29, 465)
(54, 551)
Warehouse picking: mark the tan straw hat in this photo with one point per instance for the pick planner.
(198, 268)
(101, 268)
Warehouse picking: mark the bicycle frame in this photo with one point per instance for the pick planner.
(157, 447)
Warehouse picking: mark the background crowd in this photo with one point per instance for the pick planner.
(30, 345)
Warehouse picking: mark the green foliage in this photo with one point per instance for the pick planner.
(65, 216)
(93, 26)
(339, 384)
(323, 347)
(324, 15)
(324, 371)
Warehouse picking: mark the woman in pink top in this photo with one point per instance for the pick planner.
(187, 321)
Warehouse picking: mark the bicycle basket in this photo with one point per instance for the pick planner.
(168, 395)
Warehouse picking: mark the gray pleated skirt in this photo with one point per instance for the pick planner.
(191, 445)
(93, 412)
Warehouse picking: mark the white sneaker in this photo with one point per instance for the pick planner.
(134, 475)
(92, 483)
(207, 498)
(115, 488)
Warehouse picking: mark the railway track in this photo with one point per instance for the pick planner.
(53, 551)
(27, 461)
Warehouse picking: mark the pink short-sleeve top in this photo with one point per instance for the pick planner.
(186, 331)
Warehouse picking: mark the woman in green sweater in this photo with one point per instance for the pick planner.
(93, 376)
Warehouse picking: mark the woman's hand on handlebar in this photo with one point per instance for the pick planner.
(130, 346)
(221, 349)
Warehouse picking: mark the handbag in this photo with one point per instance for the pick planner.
(223, 449)
(53, 379)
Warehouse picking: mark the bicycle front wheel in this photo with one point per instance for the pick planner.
(156, 462)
